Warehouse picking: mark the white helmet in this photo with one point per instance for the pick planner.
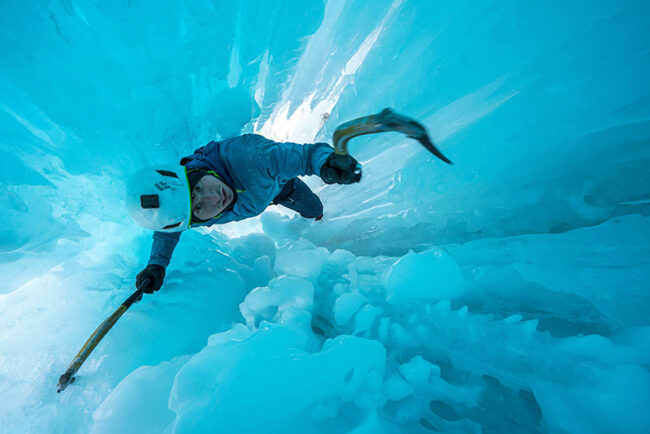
(158, 198)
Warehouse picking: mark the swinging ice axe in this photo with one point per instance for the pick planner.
(385, 121)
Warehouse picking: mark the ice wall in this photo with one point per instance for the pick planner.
(506, 293)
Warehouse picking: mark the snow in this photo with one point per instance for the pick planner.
(506, 293)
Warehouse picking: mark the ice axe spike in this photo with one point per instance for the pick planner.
(386, 120)
(68, 377)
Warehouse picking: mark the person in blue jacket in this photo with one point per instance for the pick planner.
(225, 181)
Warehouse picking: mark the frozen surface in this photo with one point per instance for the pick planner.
(506, 293)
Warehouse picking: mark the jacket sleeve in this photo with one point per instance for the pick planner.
(163, 247)
(288, 160)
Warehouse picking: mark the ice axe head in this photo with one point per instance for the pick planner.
(386, 120)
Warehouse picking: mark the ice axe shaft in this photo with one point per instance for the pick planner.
(68, 377)
(386, 120)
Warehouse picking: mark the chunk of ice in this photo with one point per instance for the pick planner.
(421, 277)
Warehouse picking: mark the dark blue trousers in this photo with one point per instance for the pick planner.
(297, 196)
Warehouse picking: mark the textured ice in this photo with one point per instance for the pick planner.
(429, 276)
(396, 388)
(228, 387)
(346, 306)
(506, 293)
(417, 371)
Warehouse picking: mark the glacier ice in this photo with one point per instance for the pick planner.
(431, 275)
(508, 293)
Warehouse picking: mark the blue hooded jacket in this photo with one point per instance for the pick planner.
(256, 167)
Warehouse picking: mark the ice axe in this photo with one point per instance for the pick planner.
(386, 120)
(68, 377)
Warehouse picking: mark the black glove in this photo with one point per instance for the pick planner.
(155, 274)
(340, 169)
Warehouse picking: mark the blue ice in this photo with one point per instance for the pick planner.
(509, 292)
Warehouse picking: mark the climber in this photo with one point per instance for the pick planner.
(225, 181)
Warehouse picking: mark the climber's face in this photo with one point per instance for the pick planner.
(210, 197)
